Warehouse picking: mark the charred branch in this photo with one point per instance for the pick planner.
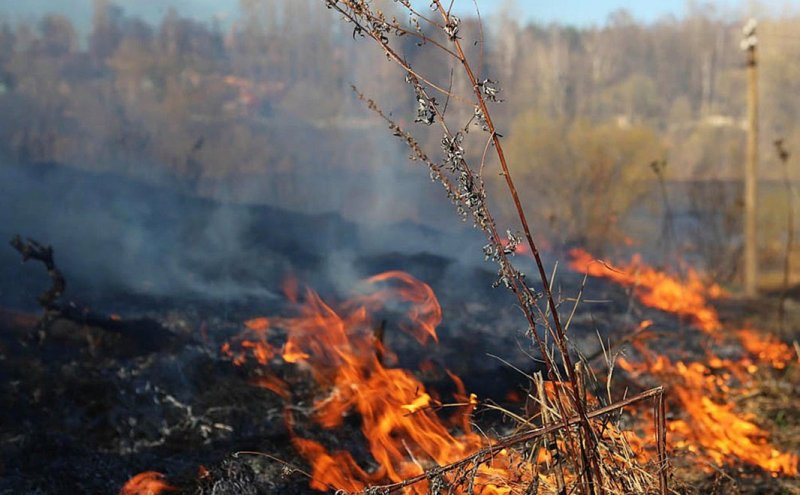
(32, 250)
(148, 334)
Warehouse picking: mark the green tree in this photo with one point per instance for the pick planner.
(582, 177)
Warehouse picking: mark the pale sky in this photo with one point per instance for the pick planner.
(576, 12)
(595, 12)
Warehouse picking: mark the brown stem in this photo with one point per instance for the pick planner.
(561, 340)
(515, 281)
(661, 426)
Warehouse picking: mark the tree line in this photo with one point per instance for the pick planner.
(263, 104)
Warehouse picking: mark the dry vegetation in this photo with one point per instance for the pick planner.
(207, 106)
(234, 110)
(589, 454)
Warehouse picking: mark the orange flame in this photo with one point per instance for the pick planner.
(713, 429)
(274, 384)
(766, 349)
(404, 433)
(685, 298)
(147, 483)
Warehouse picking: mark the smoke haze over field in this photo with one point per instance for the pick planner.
(232, 223)
(114, 237)
(175, 144)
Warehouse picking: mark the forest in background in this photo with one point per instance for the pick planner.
(261, 110)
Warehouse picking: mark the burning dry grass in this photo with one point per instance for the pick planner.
(686, 298)
(417, 441)
(570, 441)
(414, 446)
(707, 424)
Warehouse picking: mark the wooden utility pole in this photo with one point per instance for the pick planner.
(749, 45)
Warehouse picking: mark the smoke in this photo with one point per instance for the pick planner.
(114, 236)
(217, 180)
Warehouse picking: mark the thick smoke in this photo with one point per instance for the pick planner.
(212, 180)
(115, 236)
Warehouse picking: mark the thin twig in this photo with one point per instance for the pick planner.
(393, 55)
(449, 91)
(481, 38)
(279, 461)
(783, 156)
(470, 197)
(32, 250)
(561, 337)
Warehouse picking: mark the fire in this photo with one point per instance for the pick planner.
(685, 298)
(404, 432)
(713, 429)
(766, 349)
(147, 483)
(420, 402)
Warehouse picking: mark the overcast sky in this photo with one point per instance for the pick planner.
(577, 12)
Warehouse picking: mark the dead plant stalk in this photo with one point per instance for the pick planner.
(468, 193)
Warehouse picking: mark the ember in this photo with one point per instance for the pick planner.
(147, 483)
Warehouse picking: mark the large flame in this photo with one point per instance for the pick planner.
(404, 434)
(711, 427)
(341, 347)
(685, 298)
